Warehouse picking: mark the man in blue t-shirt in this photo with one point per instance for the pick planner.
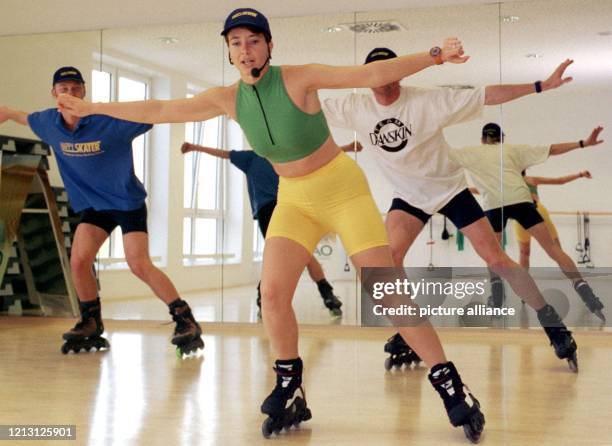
(262, 184)
(94, 156)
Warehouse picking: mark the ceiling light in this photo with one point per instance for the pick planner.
(373, 26)
(168, 40)
(510, 18)
(534, 55)
(332, 29)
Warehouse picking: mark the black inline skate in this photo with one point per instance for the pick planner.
(187, 333)
(330, 300)
(87, 333)
(560, 337)
(447, 382)
(286, 405)
(498, 295)
(400, 352)
(589, 298)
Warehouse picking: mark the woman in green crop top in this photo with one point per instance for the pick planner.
(321, 190)
(523, 237)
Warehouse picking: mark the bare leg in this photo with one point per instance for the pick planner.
(283, 263)
(88, 239)
(487, 246)
(554, 251)
(403, 229)
(423, 338)
(315, 271)
(525, 252)
(136, 247)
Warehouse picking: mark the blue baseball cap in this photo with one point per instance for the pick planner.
(67, 74)
(246, 17)
(379, 54)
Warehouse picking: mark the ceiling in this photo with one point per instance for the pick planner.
(553, 29)
(36, 16)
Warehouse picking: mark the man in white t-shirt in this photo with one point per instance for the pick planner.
(513, 199)
(403, 126)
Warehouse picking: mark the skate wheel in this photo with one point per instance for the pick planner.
(65, 349)
(388, 364)
(336, 312)
(473, 429)
(471, 435)
(266, 428)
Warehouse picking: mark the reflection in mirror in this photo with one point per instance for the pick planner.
(407, 130)
(329, 277)
(555, 184)
(184, 194)
(36, 221)
(572, 186)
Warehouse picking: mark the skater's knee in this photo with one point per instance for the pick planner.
(81, 264)
(274, 296)
(500, 262)
(140, 267)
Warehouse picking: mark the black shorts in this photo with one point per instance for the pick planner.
(264, 215)
(130, 221)
(462, 210)
(525, 214)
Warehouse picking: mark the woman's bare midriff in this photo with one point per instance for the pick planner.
(323, 155)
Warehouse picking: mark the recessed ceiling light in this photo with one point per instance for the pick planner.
(168, 40)
(373, 26)
(332, 29)
(534, 55)
(605, 33)
(510, 18)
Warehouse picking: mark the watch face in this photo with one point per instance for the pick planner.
(435, 51)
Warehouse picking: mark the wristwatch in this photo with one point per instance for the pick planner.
(436, 55)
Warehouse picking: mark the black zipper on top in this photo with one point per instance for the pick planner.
(264, 114)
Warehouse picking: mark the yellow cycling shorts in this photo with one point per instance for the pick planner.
(523, 236)
(334, 198)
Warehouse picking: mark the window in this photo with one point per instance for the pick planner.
(258, 243)
(203, 194)
(115, 85)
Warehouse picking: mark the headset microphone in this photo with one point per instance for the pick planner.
(256, 72)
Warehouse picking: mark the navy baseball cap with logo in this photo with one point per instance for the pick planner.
(379, 54)
(246, 17)
(493, 130)
(67, 74)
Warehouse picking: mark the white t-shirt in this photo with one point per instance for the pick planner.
(485, 165)
(407, 138)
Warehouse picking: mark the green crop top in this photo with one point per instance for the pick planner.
(275, 128)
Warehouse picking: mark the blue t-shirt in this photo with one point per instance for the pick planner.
(95, 160)
(262, 180)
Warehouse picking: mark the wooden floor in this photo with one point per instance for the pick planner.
(139, 393)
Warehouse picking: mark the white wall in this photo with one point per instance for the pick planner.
(564, 115)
